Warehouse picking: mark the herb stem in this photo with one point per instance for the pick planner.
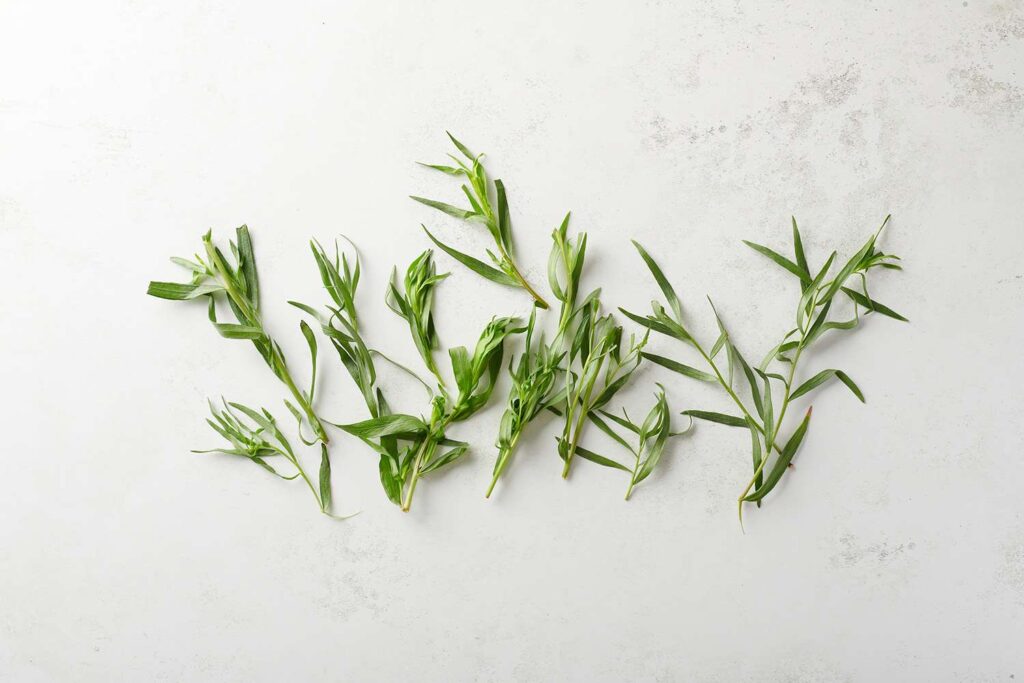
(314, 421)
(732, 394)
(407, 503)
(503, 460)
(537, 298)
(778, 424)
(579, 428)
(309, 483)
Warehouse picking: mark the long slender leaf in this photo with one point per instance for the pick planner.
(681, 368)
(823, 377)
(782, 462)
(720, 418)
(474, 264)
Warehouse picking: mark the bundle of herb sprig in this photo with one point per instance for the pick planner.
(262, 439)
(412, 446)
(535, 384)
(652, 435)
(598, 366)
(818, 294)
(214, 277)
(340, 325)
(482, 211)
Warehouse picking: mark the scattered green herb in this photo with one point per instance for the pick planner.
(497, 221)
(414, 304)
(764, 421)
(535, 379)
(601, 370)
(262, 439)
(341, 322)
(412, 446)
(239, 284)
(652, 436)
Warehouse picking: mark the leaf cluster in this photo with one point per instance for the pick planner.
(411, 446)
(260, 439)
(818, 291)
(652, 435)
(216, 276)
(493, 215)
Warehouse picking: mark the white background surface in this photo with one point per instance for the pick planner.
(894, 551)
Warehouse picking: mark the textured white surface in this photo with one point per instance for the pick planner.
(894, 551)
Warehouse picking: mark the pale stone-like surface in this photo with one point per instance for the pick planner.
(894, 550)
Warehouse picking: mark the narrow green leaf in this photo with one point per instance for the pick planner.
(386, 425)
(676, 366)
(307, 332)
(247, 265)
(621, 421)
(663, 283)
(389, 480)
(655, 325)
(461, 147)
(190, 265)
(474, 264)
(450, 170)
(600, 459)
(872, 305)
(823, 377)
(325, 479)
(782, 462)
(606, 428)
(504, 222)
(234, 331)
(798, 248)
(446, 208)
(781, 260)
(720, 418)
(176, 291)
(755, 447)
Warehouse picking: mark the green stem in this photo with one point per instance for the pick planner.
(538, 299)
(778, 424)
(302, 473)
(579, 428)
(417, 463)
(503, 459)
(314, 421)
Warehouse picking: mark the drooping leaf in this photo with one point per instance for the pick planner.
(780, 260)
(798, 249)
(176, 291)
(599, 459)
(386, 425)
(681, 368)
(325, 479)
(663, 283)
(445, 208)
(782, 462)
(474, 264)
(720, 418)
(823, 377)
(872, 305)
(235, 331)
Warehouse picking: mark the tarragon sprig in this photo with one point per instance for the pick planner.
(818, 291)
(482, 211)
(535, 384)
(534, 388)
(261, 439)
(412, 446)
(597, 369)
(238, 283)
(413, 302)
(652, 435)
